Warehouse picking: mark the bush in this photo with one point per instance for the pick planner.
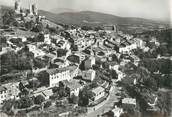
(47, 104)
(39, 99)
(24, 102)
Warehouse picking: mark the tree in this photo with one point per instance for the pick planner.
(21, 87)
(29, 25)
(43, 77)
(39, 99)
(47, 104)
(114, 75)
(84, 96)
(7, 106)
(24, 102)
(8, 18)
(38, 28)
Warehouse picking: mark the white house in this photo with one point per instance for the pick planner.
(128, 48)
(37, 52)
(3, 94)
(57, 75)
(117, 111)
(12, 90)
(128, 103)
(73, 87)
(98, 92)
(47, 39)
(89, 75)
(89, 62)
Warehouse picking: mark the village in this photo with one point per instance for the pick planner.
(70, 72)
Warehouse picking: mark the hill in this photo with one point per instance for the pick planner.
(61, 10)
(93, 18)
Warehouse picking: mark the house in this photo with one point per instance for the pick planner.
(54, 76)
(140, 43)
(73, 87)
(126, 48)
(89, 75)
(57, 75)
(121, 75)
(89, 62)
(3, 94)
(37, 52)
(128, 103)
(114, 66)
(46, 93)
(110, 28)
(116, 112)
(47, 39)
(12, 90)
(98, 92)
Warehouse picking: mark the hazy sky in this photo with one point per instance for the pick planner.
(151, 9)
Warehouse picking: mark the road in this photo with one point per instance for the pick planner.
(108, 106)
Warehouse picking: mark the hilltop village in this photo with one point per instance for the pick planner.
(55, 70)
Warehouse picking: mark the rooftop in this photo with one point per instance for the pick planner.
(58, 70)
(129, 101)
(98, 90)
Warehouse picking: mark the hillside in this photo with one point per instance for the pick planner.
(93, 18)
(61, 10)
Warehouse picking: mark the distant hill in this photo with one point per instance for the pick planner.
(61, 10)
(93, 18)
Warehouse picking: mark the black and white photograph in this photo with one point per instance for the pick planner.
(85, 58)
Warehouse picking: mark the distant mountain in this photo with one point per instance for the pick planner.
(93, 18)
(61, 10)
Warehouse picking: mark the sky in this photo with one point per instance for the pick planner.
(149, 9)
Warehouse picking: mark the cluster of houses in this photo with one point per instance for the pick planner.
(117, 44)
(62, 65)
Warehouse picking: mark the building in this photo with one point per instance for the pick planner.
(47, 39)
(57, 75)
(128, 103)
(12, 90)
(37, 52)
(89, 62)
(73, 87)
(127, 48)
(98, 92)
(114, 66)
(17, 7)
(89, 75)
(110, 28)
(34, 9)
(116, 112)
(3, 94)
(46, 93)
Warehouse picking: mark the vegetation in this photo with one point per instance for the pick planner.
(9, 18)
(24, 102)
(13, 61)
(39, 99)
